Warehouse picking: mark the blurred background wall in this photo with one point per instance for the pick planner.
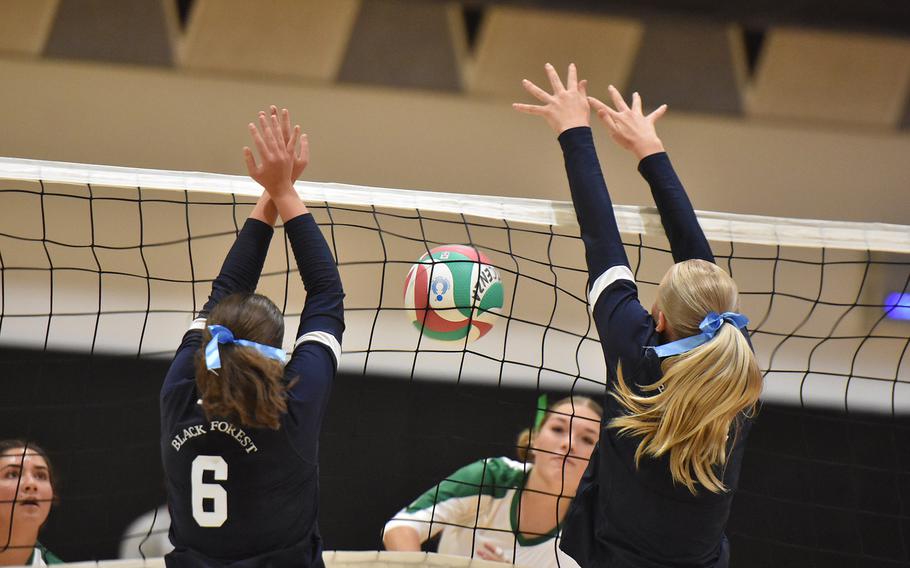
(795, 108)
(778, 108)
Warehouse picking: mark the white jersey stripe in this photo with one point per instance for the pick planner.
(198, 323)
(325, 338)
(619, 272)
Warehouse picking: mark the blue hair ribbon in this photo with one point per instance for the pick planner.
(223, 335)
(709, 328)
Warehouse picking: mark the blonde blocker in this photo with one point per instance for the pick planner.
(690, 412)
(523, 444)
(249, 388)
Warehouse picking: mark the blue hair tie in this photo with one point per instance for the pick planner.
(221, 334)
(709, 328)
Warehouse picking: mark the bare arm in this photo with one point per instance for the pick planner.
(402, 538)
(265, 210)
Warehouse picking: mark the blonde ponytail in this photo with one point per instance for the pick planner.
(690, 412)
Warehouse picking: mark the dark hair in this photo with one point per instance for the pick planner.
(14, 444)
(249, 388)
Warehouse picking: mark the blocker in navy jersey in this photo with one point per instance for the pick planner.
(244, 497)
(623, 515)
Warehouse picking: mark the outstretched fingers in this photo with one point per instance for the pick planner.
(270, 144)
(536, 91)
(572, 78)
(555, 81)
(606, 114)
(636, 102)
(618, 101)
(529, 109)
(258, 141)
(291, 144)
(657, 113)
(303, 155)
(251, 166)
(598, 104)
(583, 87)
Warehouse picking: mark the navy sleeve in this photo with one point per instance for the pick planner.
(593, 207)
(623, 324)
(183, 368)
(687, 240)
(318, 344)
(239, 273)
(243, 263)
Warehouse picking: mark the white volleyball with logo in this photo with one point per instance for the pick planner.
(453, 292)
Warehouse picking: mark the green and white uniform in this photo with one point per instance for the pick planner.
(480, 503)
(42, 557)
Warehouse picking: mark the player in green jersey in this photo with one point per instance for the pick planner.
(504, 509)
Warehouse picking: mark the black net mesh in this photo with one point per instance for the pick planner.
(98, 283)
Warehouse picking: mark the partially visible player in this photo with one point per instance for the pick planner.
(504, 510)
(26, 496)
(239, 428)
(147, 535)
(683, 379)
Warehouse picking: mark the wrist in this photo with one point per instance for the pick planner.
(280, 189)
(647, 148)
(569, 125)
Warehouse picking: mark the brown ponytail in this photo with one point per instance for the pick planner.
(249, 388)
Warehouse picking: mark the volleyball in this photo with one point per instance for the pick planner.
(453, 292)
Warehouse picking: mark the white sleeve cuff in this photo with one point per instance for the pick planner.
(619, 272)
(198, 323)
(324, 338)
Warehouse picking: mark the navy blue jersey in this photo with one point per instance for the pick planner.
(246, 497)
(623, 515)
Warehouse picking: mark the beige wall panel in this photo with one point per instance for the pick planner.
(832, 77)
(303, 38)
(514, 44)
(24, 25)
(420, 140)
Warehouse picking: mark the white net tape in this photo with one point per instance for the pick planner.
(112, 259)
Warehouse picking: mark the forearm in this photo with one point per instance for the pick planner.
(402, 538)
(687, 240)
(324, 310)
(593, 207)
(288, 203)
(243, 263)
(265, 210)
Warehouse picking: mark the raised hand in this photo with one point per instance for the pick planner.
(566, 108)
(279, 159)
(628, 126)
(290, 137)
(276, 162)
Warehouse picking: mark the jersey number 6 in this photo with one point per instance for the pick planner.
(213, 491)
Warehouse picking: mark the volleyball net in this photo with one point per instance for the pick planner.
(334, 559)
(117, 261)
(113, 262)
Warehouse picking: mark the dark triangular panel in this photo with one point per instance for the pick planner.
(688, 65)
(111, 30)
(402, 44)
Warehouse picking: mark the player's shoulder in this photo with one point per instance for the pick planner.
(495, 472)
(179, 404)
